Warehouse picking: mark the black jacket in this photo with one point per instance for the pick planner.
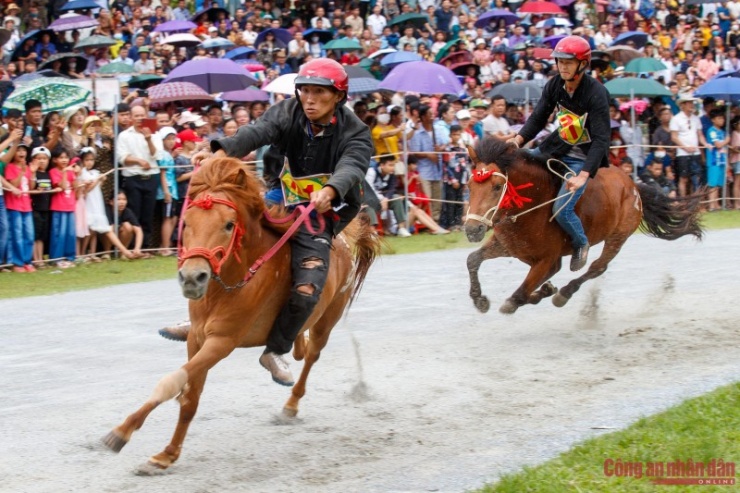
(591, 99)
(344, 150)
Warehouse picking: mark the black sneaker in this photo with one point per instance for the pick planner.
(579, 258)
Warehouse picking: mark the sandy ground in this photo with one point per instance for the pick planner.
(415, 392)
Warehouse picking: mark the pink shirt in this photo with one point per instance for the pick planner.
(22, 203)
(64, 201)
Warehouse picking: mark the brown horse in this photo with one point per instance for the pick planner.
(509, 192)
(227, 230)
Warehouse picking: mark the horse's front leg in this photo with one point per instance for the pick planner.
(492, 249)
(537, 275)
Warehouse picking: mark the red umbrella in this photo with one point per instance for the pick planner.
(184, 93)
(542, 53)
(540, 7)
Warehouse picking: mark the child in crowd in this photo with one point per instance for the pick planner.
(419, 210)
(41, 199)
(455, 175)
(19, 210)
(63, 203)
(129, 229)
(656, 178)
(382, 181)
(717, 141)
(81, 229)
(167, 191)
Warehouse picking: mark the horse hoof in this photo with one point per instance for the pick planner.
(508, 307)
(482, 304)
(559, 300)
(150, 468)
(287, 417)
(548, 289)
(114, 442)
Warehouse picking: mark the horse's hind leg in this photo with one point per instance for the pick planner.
(492, 249)
(612, 247)
(537, 275)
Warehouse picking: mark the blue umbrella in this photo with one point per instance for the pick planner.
(553, 22)
(324, 35)
(175, 26)
(553, 40)
(241, 53)
(248, 95)
(423, 78)
(80, 5)
(727, 88)
(213, 43)
(399, 57)
(496, 15)
(727, 73)
(213, 75)
(639, 38)
(34, 35)
(211, 12)
(281, 35)
(363, 85)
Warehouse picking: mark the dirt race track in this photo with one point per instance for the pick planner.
(416, 391)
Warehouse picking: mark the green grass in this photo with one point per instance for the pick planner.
(721, 220)
(701, 429)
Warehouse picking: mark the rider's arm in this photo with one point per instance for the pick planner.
(538, 119)
(266, 130)
(599, 128)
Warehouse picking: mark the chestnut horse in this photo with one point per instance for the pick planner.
(509, 191)
(227, 230)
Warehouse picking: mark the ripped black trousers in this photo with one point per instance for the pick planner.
(305, 248)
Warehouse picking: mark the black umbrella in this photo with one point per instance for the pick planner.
(356, 72)
(211, 12)
(517, 92)
(324, 35)
(35, 35)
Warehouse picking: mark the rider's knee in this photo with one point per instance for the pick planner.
(306, 289)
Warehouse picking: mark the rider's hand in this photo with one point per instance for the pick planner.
(202, 157)
(322, 199)
(578, 181)
(517, 140)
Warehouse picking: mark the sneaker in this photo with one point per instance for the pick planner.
(276, 364)
(579, 258)
(30, 268)
(19, 269)
(403, 233)
(177, 332)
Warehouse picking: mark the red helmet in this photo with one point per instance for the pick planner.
(323, 72)
(574, 48)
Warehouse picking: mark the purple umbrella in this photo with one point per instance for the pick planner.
(563, 3)
(553, 40)
(72, 23)
(249, 95)
(496, 15)
(174, 26)
(281, 35)
(423, 78)
(213, 74)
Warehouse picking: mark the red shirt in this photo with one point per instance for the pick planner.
(65, 200)
(22, 203)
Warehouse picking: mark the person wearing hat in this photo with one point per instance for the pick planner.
(478, 112)
(313, 134)
(686, 133)
(22, 178)
(11, 14)
(144, 65)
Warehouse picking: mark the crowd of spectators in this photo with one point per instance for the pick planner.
(56, 166)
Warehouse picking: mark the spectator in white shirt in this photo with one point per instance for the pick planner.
(144, 65)
(376, 21)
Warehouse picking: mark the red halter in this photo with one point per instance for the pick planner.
(512, 198)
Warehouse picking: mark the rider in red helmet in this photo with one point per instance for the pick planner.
(317, 136)
(582, 138)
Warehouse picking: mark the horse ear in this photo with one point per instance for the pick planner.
(473, 155)
(241, 178)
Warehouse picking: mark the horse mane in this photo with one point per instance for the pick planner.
(231, 177)
(510, 159)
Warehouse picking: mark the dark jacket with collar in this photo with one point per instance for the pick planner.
(590, 99)
(343, 150)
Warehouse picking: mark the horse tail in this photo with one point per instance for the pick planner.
(667, 218)
(367, 247)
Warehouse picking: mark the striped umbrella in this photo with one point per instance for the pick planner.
(183, 93)
(55, 94)
(72, 23)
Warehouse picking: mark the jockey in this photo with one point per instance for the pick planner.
(582, 138)
(316, 136)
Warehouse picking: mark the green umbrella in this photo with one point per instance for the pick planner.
(54, 93)
(115, 68)
(634, 86)
(644, 65)
(96, 41)
(418, 20)
(145, 80)
(445, 50)
(343, 44)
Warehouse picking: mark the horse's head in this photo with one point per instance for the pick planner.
(224, 198)
(487, 184)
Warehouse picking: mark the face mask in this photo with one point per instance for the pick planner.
(173, 64)
(660, 154)
(315, 39)
(715, 33)
(118, 36)
(616, 142)
(384, 118)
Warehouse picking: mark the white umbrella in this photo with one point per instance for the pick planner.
(285, 84)
(182, 39)
(382, 52)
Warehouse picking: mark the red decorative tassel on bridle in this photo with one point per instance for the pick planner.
(512, 199)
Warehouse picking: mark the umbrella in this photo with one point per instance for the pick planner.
(363, 85)
(343, 44)
(600, 60)
(644, 65)
(553, 22)
(423, 78)
(517, 92)
(213, 75)
(356, 72)
(698, 2)
(73, 22)
(727, 73)
(254, 66)
(563, 3)
(248, 95)
(34, 35)
(622, 54)
(25, 78)
(496, 16)
(553, 40)
(79, 5)
(501, 48)
(115, 68)
(540, 7)
(184, 93)
(542, 53)
(634, 86)
(418, 20)
(324, 35)
(380, 53)
(445, 50)
(212, 13)
(96, 41)
(81, 60)
(399, 57)
(216, 43)
(282, 36)
(285, 84)
(240, 53)
(726, 88)
(145, 80)
(456, 58)
(182, 39)
(174, 26)
(639, 38)
(55, 94)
